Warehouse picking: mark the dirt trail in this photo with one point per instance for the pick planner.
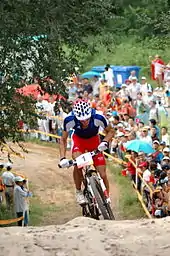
(52, 185)
(83, 236)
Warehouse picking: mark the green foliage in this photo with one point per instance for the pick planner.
(63, 25)
(129, 51)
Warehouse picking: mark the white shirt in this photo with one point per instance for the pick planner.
(133, 90)
(147, 139)
(20, 203)
(8, 178)
(158, 68)
(153, 113)
(144, 88)
(109, 77)
(96, 88)
(166, 139)
(146, 175)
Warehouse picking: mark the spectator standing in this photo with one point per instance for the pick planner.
(72, 89)
(167, 91)
(132, 74)
(109, 76)
(20, 204)
(165, 136)
(87, 86)
(134, 88)
(157, 155)
(95, 84)
(154, 124)
(145, 137)
(145, 87)
(8, 180)
(153, 112)
(157, 71)
(123, 92)
(2, 187)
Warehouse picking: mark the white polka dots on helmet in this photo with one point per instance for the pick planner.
(82, 110)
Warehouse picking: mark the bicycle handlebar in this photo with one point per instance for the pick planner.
(73, 162)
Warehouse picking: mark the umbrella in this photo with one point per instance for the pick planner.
(90, 74)
(139, 145)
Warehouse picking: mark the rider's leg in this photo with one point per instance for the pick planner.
(78, 178)
(77, 173)
(102, 170)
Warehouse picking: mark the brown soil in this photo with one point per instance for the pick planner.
(52, 185)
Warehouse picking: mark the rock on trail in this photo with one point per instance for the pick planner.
(87, 237)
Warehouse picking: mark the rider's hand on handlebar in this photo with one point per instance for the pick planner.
(103, 146)
(64, 163)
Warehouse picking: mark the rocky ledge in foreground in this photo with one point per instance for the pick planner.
(87, 237)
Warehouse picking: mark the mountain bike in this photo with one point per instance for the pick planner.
(97, 204)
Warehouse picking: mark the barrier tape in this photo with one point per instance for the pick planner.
(6, 222)
(149, 188)
(141, 201)
(119, 161)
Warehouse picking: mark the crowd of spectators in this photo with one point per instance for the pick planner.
(137, 111)
(14, 193)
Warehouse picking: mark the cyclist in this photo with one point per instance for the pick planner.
(85, 122)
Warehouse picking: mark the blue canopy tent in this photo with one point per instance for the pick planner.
(90, 74)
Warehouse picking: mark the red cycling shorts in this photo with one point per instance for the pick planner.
(83, 145)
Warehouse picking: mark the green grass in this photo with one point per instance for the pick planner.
(40, 213)
(128, 51)
(129, 206)
(42, 143)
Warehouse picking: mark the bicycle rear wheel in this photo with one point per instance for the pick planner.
(104, 207)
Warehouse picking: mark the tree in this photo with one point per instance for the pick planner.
(40, 38)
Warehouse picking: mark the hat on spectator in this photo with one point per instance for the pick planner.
(134, 78)
(143, 78)
(162, 143)
(127, 129)
(145, 128)
(165, 167)
(127, 81)
(158, 189)
(149, 90)
(18, 179)
(124, 85)
(166, 158)
(167, 150)
(143, 164)
(120, 125)
(120, 134)
(156, 141)
(141, 153)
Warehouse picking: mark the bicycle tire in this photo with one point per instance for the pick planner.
(107, 205)
(98, 197)
(92, 209)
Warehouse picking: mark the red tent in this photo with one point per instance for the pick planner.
(35, 90)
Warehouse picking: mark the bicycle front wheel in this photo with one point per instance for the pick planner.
(100, 199)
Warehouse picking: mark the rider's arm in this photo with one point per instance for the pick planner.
(109, 131)
(63, 144)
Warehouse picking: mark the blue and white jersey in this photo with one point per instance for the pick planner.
(96, 121)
